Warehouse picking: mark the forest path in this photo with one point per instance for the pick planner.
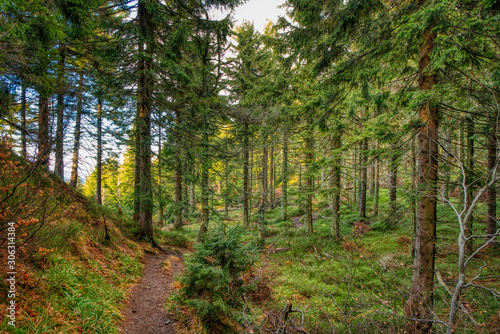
(145, 311)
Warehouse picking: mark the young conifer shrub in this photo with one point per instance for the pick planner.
(213, 282)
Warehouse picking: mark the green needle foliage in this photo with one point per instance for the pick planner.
(213, 283)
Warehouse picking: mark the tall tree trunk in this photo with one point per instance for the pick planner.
(59, 162)
(393, 170)
(469, 180)
(284, 177)
(264, 176)
(491, 222)
(376, 184)
(355, 175)
(271, 178)
(264, 200)
(420, 304)
(178, 200)
(446, 166)
(160, 190)
(250, 183)
(178, 192)
(98, 190)
(363, 181)
(192, 198)
(309, 157)
(23, 121)
(76, 144)
(226, 188)
(246, 163)
(205, 192)
(144, 103)
(43, 130)
(414, 195)
(336, 177)
(185, 187)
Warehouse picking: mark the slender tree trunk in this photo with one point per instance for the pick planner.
(491, 222)
(271, 178)
(300, 179)
(246, 163)
(160, 190)
(264, 175)
(23, 121)
(76, 145)
(284, 177)
(205, 192)
(445, 169)
(420, 304)
(355, 175)
(226, 189)
(336, 177)
(309, 157)
(469, 180)
(376, 185)
(59, 162)
(185, 187)
(178, 192)
(414, 195)
(192, 197)
(371, 178)
(363, 182)
(250, 184)
(43, 131)
(264, 202)
(393, 170)
(463, 144)
(178, 200)
(98, 190)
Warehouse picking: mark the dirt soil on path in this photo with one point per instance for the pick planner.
(145, 311)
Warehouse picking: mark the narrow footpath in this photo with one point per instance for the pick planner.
(145, 311)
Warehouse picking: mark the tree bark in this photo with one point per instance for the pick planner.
(250, 183)
(376, 185)
(226, 188)
(43, 131)
(419, 307)
(246, 162)
(264, 200)
(469, 180)
(363, 182)
(98, 176)
(271, 178)
(393, 170)
(355, 175)
(284, 177)
(61, 89)
(76, 144)
(23, 121)
(205, 192)
(160, 190)
(178, 176)
(264, 176)
(144, 99)
(336, 177)
(309, 157)
(178, 192)
(491, 222)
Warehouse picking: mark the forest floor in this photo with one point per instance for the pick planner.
(145, 311)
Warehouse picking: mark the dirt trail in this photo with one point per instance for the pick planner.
(145, 311)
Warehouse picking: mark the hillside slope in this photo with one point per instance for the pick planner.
(68, 261)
